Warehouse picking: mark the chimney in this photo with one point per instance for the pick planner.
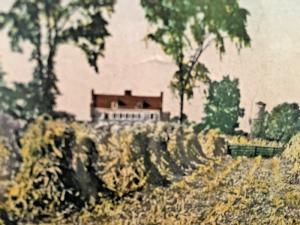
(128, 92)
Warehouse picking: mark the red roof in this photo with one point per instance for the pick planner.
(127, 101)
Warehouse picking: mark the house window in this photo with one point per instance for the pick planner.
(115, 115)
(106, 116)
(151, 116)
(140, 105)
(127, 115)
(114, 105)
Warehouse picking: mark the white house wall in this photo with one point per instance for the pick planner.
(123, 115)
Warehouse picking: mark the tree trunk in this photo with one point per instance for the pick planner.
(51, 89)
(181, 113)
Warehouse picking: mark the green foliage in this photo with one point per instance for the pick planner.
(283, 122)
(12, 99)
(222, 109)
(5, 94)
(46, 25)
(280, 124)
(192, 25)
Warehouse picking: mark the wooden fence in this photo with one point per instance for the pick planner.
(253, 151)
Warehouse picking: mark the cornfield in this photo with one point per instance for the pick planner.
(147, 174)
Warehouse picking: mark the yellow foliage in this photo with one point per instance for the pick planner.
(4, 158)
(122, 167)
(213, 143)
(63, 162)
(291, 156)
(292, 199)
(243, 140)
(5, 174)
(292, 151)
(38, 187)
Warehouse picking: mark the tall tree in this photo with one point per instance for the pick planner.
(186, 28)
(222, 109)
(46, 25)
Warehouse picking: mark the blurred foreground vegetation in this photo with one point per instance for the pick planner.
(71, 173)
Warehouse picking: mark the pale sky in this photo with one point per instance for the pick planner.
(268, 71)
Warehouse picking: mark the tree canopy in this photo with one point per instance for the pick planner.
(186, 28)
(283, 122)
(222, 109)
(46, 25)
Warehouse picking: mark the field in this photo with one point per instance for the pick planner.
(162, 174)
(226, 191)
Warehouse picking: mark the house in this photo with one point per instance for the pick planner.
(127, 108)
